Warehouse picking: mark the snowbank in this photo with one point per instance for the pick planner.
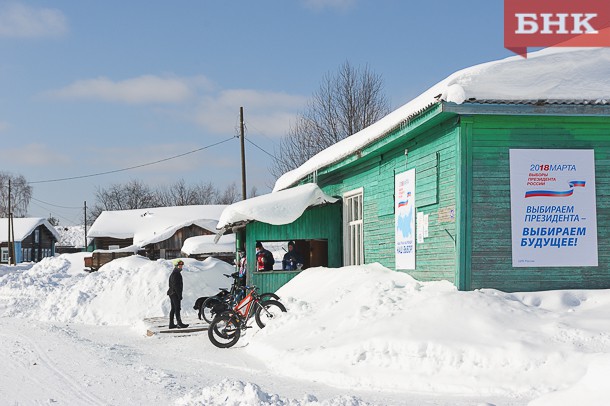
(358, 328)
(122, 292)
(370, 327)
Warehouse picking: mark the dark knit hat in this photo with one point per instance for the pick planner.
(259, 244)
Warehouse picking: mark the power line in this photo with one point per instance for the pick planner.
(55, 205)
(132, 167)
(266, 152)
(59, 215)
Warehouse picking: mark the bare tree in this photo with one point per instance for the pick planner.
(230, 195)
(21, 194)
(136, 195)
(177, 194)
(132, 195)
(181, 194)
(206, 193)
(345, 103)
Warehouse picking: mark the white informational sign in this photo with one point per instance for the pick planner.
(420, 227)
(426, 219)
(404, 219)
(553, 207)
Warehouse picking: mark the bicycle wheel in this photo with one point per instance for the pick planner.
(269, 296)
(224, 331)
(266, 310)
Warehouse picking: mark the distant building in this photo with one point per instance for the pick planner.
(35, 239)
(158, 233)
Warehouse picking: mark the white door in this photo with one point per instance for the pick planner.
(353, 246)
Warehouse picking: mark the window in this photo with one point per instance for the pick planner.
(353, 233)
(4, 254)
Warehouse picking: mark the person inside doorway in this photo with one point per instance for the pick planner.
(264, 258)
(292, 259)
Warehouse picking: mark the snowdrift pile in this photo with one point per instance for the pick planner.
(123, 292)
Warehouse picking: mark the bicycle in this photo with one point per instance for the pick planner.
(226, 328)
(226, 299)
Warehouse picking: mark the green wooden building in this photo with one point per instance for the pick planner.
(506, 194)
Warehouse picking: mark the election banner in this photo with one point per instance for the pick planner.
(404, 219)
(553, 207)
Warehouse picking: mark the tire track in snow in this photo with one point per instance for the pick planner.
(75, 387)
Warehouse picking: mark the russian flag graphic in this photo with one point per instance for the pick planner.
(552, 193)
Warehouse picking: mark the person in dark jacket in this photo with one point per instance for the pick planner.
(175, 296)
(264, 258)
(292, 259)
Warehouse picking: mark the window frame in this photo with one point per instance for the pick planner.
(353, 227)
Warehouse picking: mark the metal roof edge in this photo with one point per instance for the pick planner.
(410, 122)
(550, 107)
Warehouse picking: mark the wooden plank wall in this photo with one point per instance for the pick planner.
(491, 246)
(435, 195)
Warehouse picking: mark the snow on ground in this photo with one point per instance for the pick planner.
(353, 336)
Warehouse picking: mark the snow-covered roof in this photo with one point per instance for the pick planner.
(71, 236)
(552, 73)
(24, 227)
(204, 245)
(147, 226)
(276, 208)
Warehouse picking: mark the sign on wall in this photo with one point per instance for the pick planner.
(404, 219)
(553, 207)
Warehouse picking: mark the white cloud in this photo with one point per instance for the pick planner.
(19, 20)
(140, 90)
(34, 154)
(329, 4)
(268, 113)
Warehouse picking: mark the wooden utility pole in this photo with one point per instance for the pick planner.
(85, 226)
(8, 218)
(13, 240)
(243, 154)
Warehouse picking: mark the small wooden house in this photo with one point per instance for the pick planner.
(34, 238)
(155, 232)
(497, 177)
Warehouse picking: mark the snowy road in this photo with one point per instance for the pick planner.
(55, 363)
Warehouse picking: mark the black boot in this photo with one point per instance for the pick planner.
(173, 326)
(179, 323)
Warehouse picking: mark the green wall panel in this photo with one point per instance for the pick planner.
(491, 244)
(433, 154)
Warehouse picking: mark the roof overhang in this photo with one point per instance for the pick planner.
(276, 208)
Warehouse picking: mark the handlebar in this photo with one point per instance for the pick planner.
(234, 275)
(251, 287)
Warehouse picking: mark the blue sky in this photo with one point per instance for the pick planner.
(89, 86)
